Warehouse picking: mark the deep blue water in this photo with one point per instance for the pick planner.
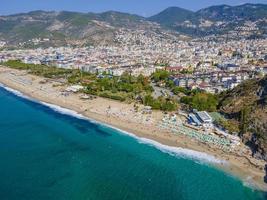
(48, 155)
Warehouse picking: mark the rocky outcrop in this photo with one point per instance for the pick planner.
(247, 103)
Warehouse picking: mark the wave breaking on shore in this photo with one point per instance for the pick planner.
(174, 151)
(183, 152)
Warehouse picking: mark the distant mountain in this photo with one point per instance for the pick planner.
(67, 27)
(74, 28)
(117, 19)
(250, 12)
(212, 20)
(172, 15)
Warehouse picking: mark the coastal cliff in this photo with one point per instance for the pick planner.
(247, 105)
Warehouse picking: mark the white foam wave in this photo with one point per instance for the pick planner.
(64, 111)
(54, 107)
(249, 182)
(16, 92)
(182, 152)
(174, 151)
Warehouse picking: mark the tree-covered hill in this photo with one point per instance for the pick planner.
(247, 104)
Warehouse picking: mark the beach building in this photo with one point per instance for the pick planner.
(204, 117)
(201, 118)
(194, 120)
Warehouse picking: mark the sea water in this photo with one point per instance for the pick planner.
(47, 152)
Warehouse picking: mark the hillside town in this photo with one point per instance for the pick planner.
(209, 65)
(133, 104)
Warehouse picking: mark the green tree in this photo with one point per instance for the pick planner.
(244, 120)
(201, 101)
(169, 106)
(176, 90)
(160, 75)
(204, 101)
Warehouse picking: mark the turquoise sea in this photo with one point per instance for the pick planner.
(45, 154)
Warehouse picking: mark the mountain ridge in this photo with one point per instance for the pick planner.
(65, 26)
(170, 14)
(211, 18)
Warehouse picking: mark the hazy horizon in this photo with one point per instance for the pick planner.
(146, 9)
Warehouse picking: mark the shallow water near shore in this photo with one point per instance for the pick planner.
(49, 155)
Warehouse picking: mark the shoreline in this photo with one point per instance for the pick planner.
(238, 166)
(200, 156)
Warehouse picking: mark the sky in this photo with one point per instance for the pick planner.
(145, 8)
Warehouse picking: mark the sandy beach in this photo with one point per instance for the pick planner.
(124, 116)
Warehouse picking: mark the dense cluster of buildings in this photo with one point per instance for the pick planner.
(213, 82)
(200, 63)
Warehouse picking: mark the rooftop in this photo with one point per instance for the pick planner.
(204, 116)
